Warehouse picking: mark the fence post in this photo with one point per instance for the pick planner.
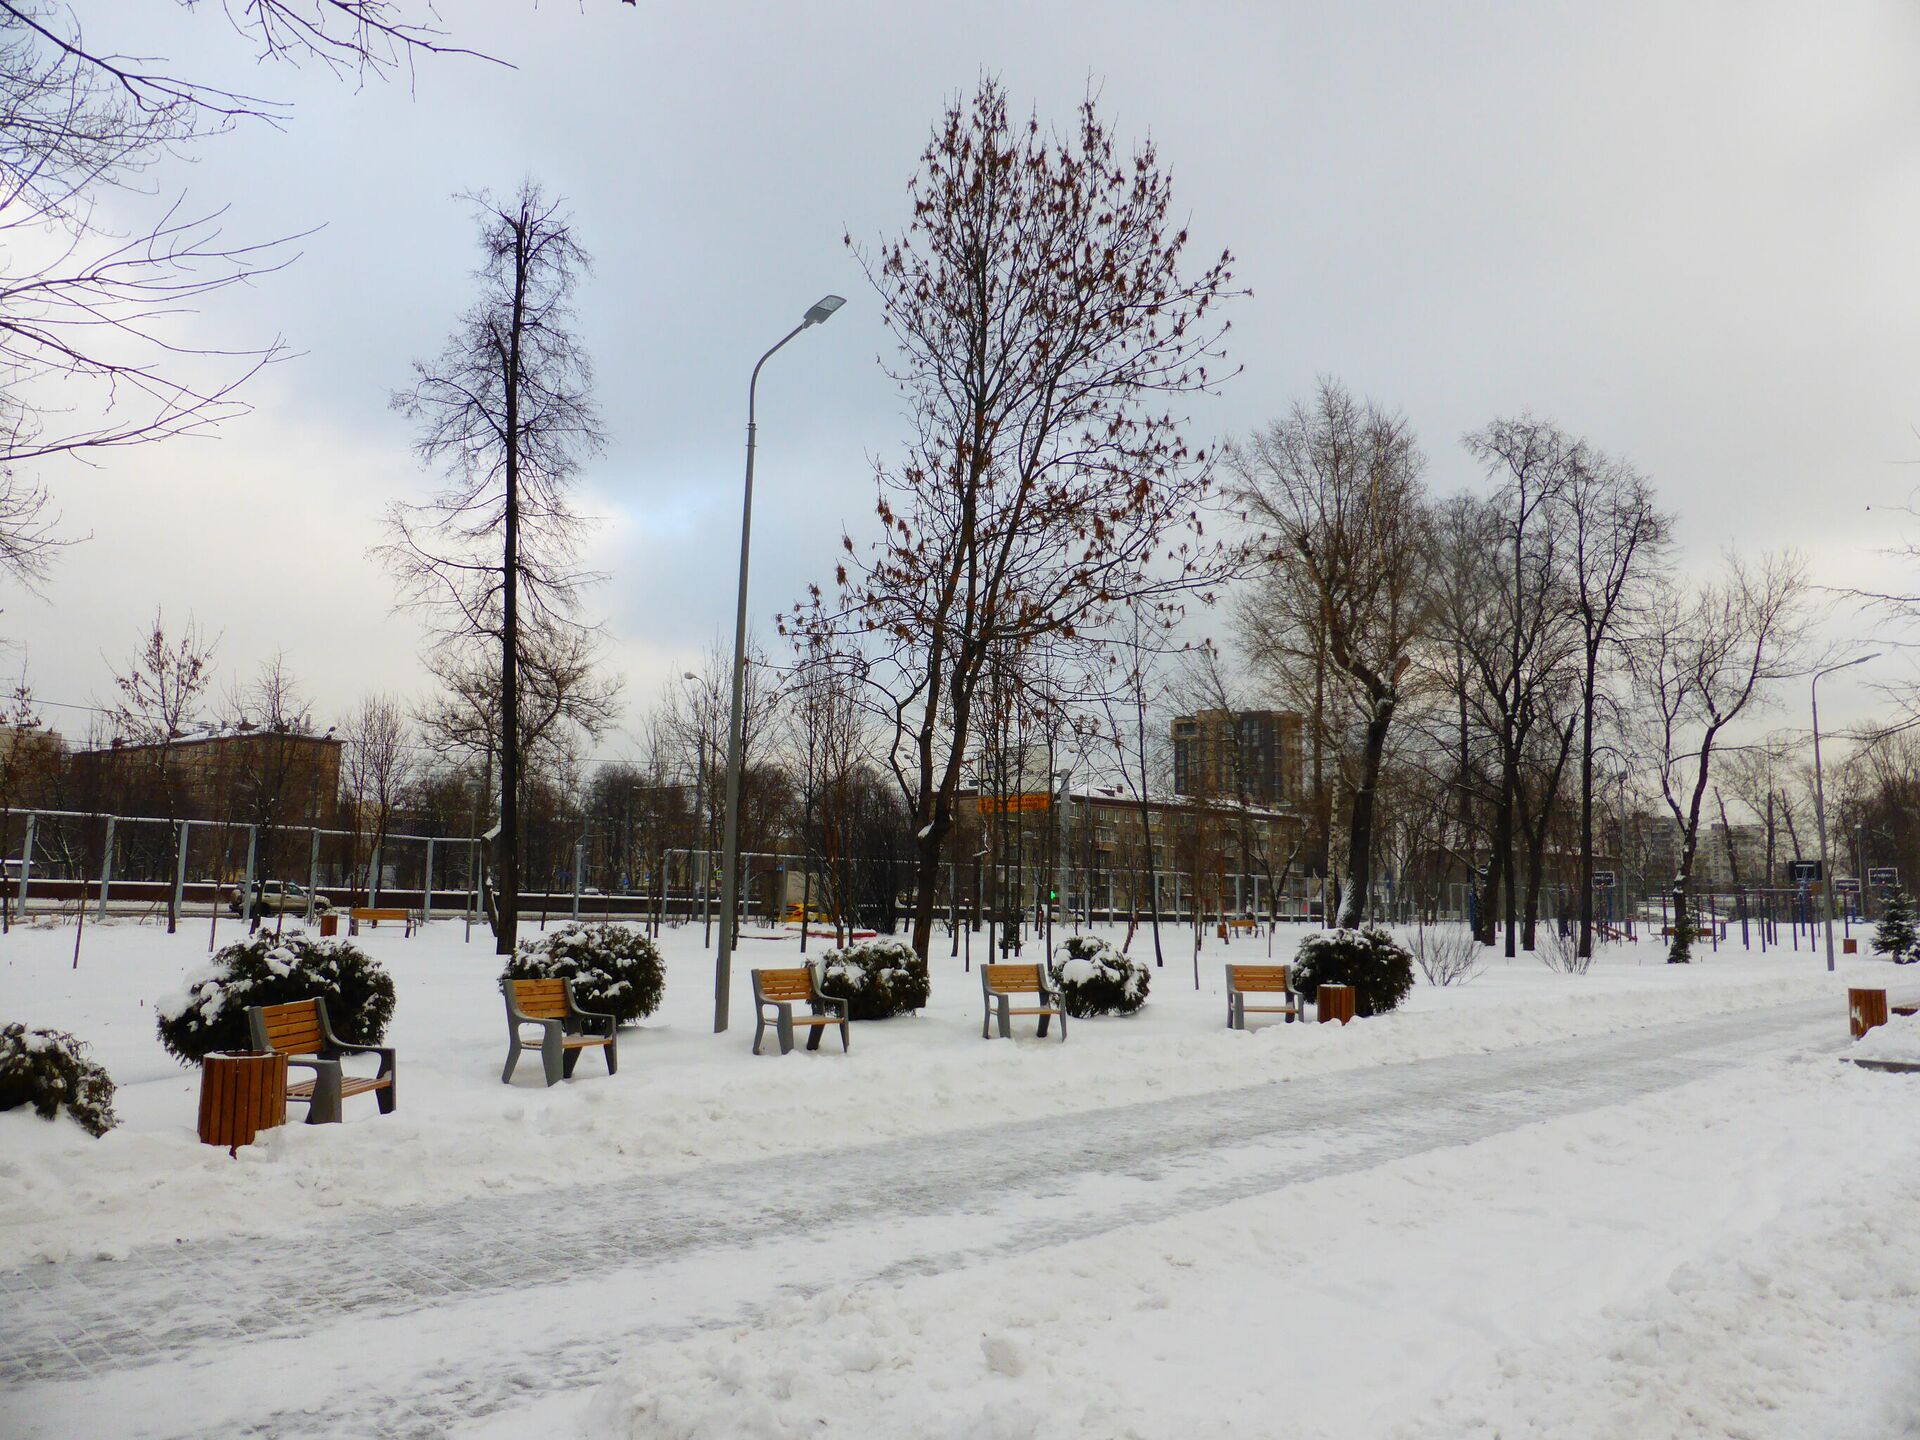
(313, 870)
(106, 872)
(246, 901)
(179, 879)
(26, 863)
(579, 859)
(373, 881)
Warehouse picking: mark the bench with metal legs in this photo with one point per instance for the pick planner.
(565, 1029)
(1245, 980)
(299, 1030)
(1001, 985)
(776, 992)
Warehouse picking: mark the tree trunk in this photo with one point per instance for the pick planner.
(507, 866)
(1353, 904)
(1585, 880)
(1146, 832)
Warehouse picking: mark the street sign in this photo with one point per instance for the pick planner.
(1804, 872)
(1883, 877)
(1847, 885)
(1603, 879)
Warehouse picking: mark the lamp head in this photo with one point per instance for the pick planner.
(823, 310)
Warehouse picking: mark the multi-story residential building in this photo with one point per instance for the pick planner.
(256, 775)
(1253, 756)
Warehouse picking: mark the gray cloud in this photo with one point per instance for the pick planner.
(1684, 231)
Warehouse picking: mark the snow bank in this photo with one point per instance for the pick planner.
(1898, 1040)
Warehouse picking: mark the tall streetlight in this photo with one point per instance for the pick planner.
(1820, 791)
(730, 841)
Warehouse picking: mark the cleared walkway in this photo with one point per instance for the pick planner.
(173, 1340)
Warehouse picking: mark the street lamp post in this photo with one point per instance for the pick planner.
(1820, 792)
(730, 840)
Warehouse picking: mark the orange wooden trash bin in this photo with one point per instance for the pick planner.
(1865, 1009)
(329, 925)
(1333, 1002)
(241, 1094)
(1850, 946)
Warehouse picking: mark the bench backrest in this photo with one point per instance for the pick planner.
(794, 984)
(1257, 977)
(1012, 979)
(293, 1028)
(541, 999)
(362, 912)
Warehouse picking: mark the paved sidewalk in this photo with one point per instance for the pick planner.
(73, 1328)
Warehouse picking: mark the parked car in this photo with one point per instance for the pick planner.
(276, 897)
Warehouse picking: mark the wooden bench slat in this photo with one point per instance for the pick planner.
(349, 1085)
(542, 999)
(786, 984)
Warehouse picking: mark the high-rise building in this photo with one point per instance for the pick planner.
(1239, 755)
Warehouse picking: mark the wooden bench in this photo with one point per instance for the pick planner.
(1245, 980)
(564, 1028)
(373, 915)
(1243, 926)
(779, 991)
(299, 1031)
(1000, 985)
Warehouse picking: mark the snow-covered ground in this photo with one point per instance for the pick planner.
(685, 1096)
(1643, 1202)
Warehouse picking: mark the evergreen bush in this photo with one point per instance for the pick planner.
(1379, 969)
(49, 1069)
(877, 978)
(1095, 979)
(1894, 936)
(210, 1013)
(615, 969)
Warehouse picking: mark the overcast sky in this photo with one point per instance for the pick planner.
(1684, 231)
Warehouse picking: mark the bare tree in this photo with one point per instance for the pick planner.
(1700, 661)
(1334, 498)
(1615, 537)
(377, 768)
(826, 744)
(270, 777)
(1140, 641)
(1045, 321)
(1528, 635)
(506, 412)
(697, 714)
(94, 352)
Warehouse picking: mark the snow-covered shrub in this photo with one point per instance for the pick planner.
(210, 1013)
(1379, 970)
(48, 1069)
(1095, 979)
(1446, 954)
(615, 969)
(877, 979)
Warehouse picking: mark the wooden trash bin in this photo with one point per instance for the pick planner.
(241, 1094)
(1850, 946)
(329, 925)
(1865, 1009)
(1333, 1002)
